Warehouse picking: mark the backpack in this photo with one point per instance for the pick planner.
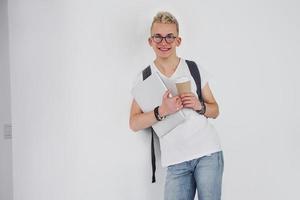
(196, 76)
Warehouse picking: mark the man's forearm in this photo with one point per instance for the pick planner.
(142, 120)
(212, 110)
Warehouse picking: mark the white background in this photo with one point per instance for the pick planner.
(72, 65)
(6, 191)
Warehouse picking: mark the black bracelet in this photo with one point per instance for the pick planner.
(156, 114)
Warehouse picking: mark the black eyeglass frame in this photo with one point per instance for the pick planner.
(170, 36)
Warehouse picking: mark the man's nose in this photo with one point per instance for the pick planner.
(164, 41)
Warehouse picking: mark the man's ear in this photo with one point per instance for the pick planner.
(178, 41)
(150, 41)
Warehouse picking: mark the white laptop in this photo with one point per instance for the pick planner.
(148, 94)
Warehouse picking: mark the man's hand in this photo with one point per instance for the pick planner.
(170, 105)
(190, 100)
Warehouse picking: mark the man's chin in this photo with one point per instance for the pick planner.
(164, 54)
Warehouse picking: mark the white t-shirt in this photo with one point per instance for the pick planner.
(194, 138)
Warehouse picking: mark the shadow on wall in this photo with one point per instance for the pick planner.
(156, 190)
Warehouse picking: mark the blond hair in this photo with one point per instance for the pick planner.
(165, 18)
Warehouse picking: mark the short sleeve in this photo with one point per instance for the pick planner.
(138, 78)
(204, 75)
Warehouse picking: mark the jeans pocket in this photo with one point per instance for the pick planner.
(179, 168)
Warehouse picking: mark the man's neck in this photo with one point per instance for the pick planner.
(167, 64)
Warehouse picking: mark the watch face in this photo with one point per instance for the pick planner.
(201, 112)
(203, 108)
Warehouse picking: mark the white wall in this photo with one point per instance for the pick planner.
(6, 189)
(72, 66)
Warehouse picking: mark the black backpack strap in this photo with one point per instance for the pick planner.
(146, 74)
(196, 76)
(153, 159)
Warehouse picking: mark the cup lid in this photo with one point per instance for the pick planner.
(182, 79)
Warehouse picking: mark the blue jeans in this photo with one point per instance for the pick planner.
(203, 174)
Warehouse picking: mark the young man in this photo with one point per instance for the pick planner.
(191, 152)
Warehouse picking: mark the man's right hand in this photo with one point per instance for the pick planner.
(169, 104)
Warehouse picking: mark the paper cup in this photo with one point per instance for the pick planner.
(183, 85)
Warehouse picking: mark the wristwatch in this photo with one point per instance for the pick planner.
(203, 108)
(157, 115)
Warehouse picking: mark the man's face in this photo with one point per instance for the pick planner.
(164, 39)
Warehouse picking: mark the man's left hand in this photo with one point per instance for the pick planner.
(190, 100)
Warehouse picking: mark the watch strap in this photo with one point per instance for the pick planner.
(203, 108)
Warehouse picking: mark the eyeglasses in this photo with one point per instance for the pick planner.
(157, 38)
